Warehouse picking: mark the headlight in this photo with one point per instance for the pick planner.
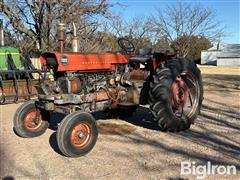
(64, 60)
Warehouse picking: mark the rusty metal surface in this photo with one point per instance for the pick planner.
(180, 93)
(111, 97)
(115, 96)
(61, 36)
(17, 91)
(138, 74)
(75, 85)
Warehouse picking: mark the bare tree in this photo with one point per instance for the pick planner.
(162, 44)
(33, 23)
(139, 29)
(186, 20)
(36, 20)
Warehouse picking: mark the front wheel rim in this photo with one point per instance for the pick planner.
(81, 135)
(33, 120)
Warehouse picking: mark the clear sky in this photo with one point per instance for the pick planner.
(227, 12)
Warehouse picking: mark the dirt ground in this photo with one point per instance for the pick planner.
(133, 148)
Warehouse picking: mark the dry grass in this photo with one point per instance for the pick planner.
(220, 70)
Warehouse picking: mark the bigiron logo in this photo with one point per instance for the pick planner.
(201, 171)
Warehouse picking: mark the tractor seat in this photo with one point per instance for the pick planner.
(140, 59)
(143, 55)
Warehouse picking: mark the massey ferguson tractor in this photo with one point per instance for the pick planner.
(86, 83)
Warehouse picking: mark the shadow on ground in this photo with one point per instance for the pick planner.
(221, 82)
(214, 130)
(141, 118)
(206, 133)
(202, 135)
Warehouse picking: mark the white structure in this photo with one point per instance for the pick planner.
(222, 55)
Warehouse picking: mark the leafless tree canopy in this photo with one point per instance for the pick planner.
(138, 29)
(37, 20)
(186, 20)
(33, 24)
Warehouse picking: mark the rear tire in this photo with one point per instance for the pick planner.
(77, 134)
(176, 95)
(30, 121)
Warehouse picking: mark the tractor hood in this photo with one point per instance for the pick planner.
(82, 62)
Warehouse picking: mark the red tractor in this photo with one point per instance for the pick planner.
(85, 83)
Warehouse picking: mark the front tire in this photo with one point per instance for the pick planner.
(30, 121)
(77, 134)
(176, 95)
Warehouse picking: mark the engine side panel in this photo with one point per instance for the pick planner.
(83, 62)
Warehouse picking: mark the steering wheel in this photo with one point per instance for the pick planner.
(126, 45)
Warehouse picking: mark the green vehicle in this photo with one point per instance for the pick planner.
(5, 52)
(17, 80)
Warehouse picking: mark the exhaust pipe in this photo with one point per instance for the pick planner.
(75, 39)
(1, 33)
(61, 36)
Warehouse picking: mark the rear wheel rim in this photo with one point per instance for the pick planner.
(33, 119)
(81, 135)
(184, 95)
